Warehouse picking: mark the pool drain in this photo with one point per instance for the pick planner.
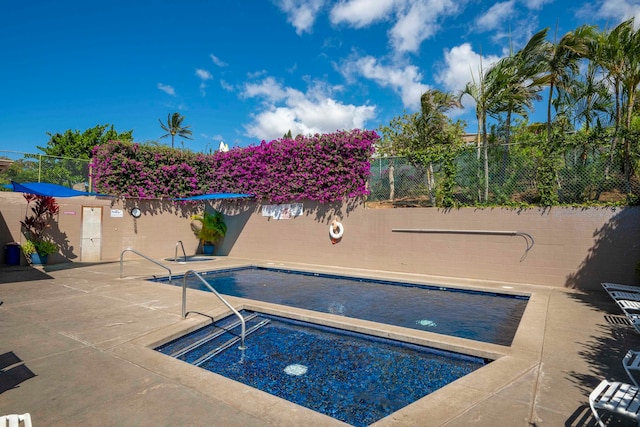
(425, 322)
(295, 370)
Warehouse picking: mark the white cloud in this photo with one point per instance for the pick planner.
(417, 21)
(301, 13)
(619, 10)
(462, 64)
(313, 112)
(217, 61)
(226, 86)
(361, 13)
(536, 4)
(496, 14)
(167, 89)
(268, 88)
(256, 74)
(404, 80)
(203, 75)
(413, 21)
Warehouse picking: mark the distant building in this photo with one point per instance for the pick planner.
(469, 138)
(4, 164)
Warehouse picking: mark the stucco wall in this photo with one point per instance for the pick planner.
(572, 247)
(154, 234)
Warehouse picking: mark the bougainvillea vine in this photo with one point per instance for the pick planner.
(325, 168)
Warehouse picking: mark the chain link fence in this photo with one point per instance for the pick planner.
(27, 167)
(510, 175)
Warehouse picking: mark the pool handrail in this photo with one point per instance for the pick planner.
(143, 256)
(175, 254)
(526, 236)
(184, 304)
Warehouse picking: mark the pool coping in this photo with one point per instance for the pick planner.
(509, 363)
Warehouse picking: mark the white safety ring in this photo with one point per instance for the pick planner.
(336, 235)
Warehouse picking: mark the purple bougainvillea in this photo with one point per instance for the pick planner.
(325, 168)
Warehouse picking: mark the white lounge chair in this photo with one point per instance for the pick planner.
(631, 296)
(629, 306)
(615, 397)
(634, 319)
(631, 364)
(609, 287)
(15, 420)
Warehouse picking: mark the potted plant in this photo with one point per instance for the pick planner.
(38, 245)
(209, 227)
(28, 248)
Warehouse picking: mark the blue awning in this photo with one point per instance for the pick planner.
(215, 196)
(48, 189)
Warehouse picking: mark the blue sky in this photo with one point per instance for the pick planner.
(243, 71)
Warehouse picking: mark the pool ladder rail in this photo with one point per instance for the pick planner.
(184, 289)
(175, 254)
(223, 346)
(224, 301)
(143, 256)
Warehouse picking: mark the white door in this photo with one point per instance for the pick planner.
(91, 234)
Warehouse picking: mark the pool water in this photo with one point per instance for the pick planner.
(480, 316)
(349, 376)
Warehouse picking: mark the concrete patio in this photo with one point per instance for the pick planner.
(81, 336)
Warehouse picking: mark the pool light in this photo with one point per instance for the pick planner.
(296, 370)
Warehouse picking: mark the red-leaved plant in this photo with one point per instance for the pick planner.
(35, 224)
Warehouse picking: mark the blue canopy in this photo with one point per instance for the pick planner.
(214, 196)
(48, 189)
(55, 190)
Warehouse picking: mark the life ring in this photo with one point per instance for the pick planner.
(336, 230)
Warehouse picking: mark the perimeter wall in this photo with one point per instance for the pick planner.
(569, 247)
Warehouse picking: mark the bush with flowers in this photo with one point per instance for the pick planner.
(325, 168)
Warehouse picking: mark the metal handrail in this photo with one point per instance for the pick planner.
(527, 237)
(175, 254)
(184, 304)
(145, 257)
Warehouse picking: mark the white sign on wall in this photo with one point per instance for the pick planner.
(117, 213)
(287, 211)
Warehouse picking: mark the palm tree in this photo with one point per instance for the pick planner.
(396, 138)
(174, 127)
(484, 92)
(618, 55)
(434, 128)
(586, 100)
(586, 103)
(517, 81)
(509, 86)
(561, 62)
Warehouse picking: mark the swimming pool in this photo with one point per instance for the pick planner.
(349, 376)
(480, 316)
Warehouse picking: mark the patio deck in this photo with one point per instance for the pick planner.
(80, 335)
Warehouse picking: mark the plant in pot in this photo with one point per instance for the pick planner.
(38, 245)
(209, 227)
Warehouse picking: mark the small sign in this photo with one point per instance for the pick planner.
(69, 212)
(117, 213)
(287, 211)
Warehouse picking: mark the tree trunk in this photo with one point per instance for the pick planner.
(432, 184)
(505, 151)
(614, 139)
(549, 113)
(478, 155)
(392, 182)
(486, 159)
